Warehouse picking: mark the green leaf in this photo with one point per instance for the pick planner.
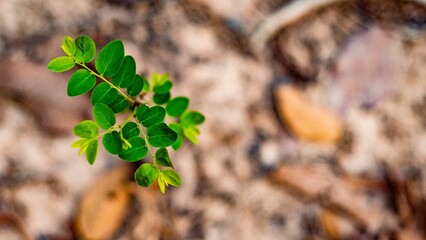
(177, 106)
(136, 152)
(86, 129)
(119, 104)
(136, 87)
(146, 86)
(79, 143)
(141, 110)
(130, 130)
(61, 64)
(161, 83)
(68, 45)
(153, 116)
(161, 183)
(160, 135)
(92, 151)
(103, 93)
(175, 127)
(126, 74)
(110, 58)
(162, 89)
(191, 118)
(85, 49)
(191, 133)
(146, 174)
(83, 145)
(161, 98)
(103, 115)
(80, 83)
(112, 142)
(171, 177)
(162, 158)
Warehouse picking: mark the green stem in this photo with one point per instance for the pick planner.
(147, 144)
(105, 80)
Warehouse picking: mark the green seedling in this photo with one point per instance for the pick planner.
(122, 91)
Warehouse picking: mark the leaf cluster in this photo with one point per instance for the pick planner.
(155, 120)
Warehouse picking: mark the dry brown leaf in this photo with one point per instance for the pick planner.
(104, 205)
(304, 119)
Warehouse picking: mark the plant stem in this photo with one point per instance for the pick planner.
(147, 144)
(105, 80)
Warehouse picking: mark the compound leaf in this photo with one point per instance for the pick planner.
(85, 49)
(110, 58)
(191, 118)
(130, 130)
(103, 93)
(61, 64)
(119, 104)
(68, 46)
(160, 135)
(80, 83)
(92, 151)
(153, 116)
(112, 142)
(126, 74)
(103, 115)
(162, 158)
(177, 106)
(136, 87)
(161, 83)
(175, 127)
(146, 174)
(171, 177)
(86, 129)
(136, 152)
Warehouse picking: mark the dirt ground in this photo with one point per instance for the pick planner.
(315, 121)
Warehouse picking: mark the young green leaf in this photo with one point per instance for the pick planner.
(177, 106)
(160, 135)
(136, 152)
(175, 127)
(103, 93)
(85, 49)
(136, 87)
(191, 133)
(103, 115)
(126, 74)
(79, 143)
(171, 178)
(86, 129)
(146, 174)
(161, 83)
(162, 158)
(92, 151)
(61, 64)
(191, 118)
(112, 142)
(161, 98)
(80, 83)
(110, 58)
(153, 116)
(161, 183)
(68, 45)
(119, 104)
(130, 130)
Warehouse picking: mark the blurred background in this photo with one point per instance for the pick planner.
(315, 120)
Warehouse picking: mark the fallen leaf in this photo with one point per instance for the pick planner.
(304, 119)
(104, 205)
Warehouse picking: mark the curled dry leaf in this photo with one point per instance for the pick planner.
(104, 205)
(304, 119)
